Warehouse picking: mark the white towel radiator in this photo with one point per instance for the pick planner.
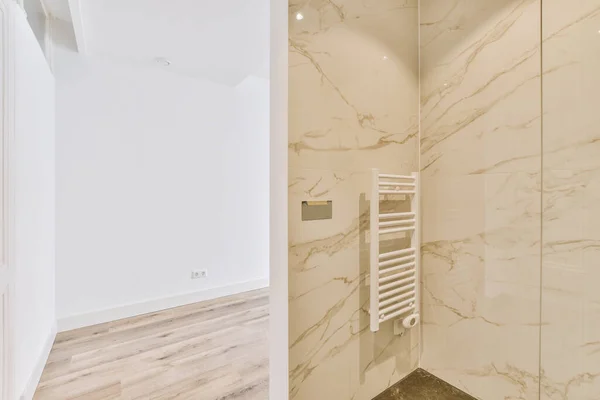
(395, 275)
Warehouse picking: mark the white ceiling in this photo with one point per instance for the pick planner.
(221, 40)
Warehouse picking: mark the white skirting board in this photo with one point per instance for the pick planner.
(34, 379)
(153, 305)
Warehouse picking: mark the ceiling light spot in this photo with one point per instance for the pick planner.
(299, 16)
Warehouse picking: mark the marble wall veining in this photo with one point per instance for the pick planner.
(353, 106)
(510, 169)
(570, 337)
(481, 182)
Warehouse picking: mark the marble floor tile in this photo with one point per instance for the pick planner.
(421, 385)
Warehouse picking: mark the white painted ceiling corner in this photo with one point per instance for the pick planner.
(221, 41)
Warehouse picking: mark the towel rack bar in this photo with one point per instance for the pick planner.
(396, 192)
(394, 223)
(397, 253)
(396, 283)
(396, 276)
(395, 230)
(396, 306)
(384, 318)
(396, 184)
(398, 268)
(396, 291)
(401, 297)
(390, 176)
(396, 261)
(396, 215)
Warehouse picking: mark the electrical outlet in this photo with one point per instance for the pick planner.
(199, 273)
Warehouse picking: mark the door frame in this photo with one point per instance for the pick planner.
(278, 219)
(7, 221)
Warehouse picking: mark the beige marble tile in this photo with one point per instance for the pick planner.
(481, 267)
(333, 354)
(570, 340)
(570, 337)
(480, 86)
(353, 106)
(571, 84)
(480, 164)
(353, 84)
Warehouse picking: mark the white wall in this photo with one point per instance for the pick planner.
(247, 166)
(34, 209)
(157, 175)
(278, 191)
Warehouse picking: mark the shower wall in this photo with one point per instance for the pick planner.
(353, 106)
(481, 180)
(511, 211)
(571, 199)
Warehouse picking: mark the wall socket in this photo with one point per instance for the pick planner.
(199, 273)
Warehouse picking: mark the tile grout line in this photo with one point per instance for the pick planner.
(541, 304)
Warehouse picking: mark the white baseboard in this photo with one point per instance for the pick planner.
(34, 379)
(153, 305)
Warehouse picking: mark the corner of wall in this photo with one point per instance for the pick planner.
(152, 305)
(36, 374)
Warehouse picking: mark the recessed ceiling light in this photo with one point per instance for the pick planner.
(299, 16)
(385, 57)
(163, 62)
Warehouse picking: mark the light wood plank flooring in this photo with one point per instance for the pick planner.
(205, 351)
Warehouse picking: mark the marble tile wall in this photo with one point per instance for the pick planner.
(570, 355)
(481, 173)
(353, 106)
(491, 203)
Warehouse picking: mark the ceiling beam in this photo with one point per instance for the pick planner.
(78, 28)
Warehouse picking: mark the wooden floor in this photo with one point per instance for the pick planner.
(205, 351)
